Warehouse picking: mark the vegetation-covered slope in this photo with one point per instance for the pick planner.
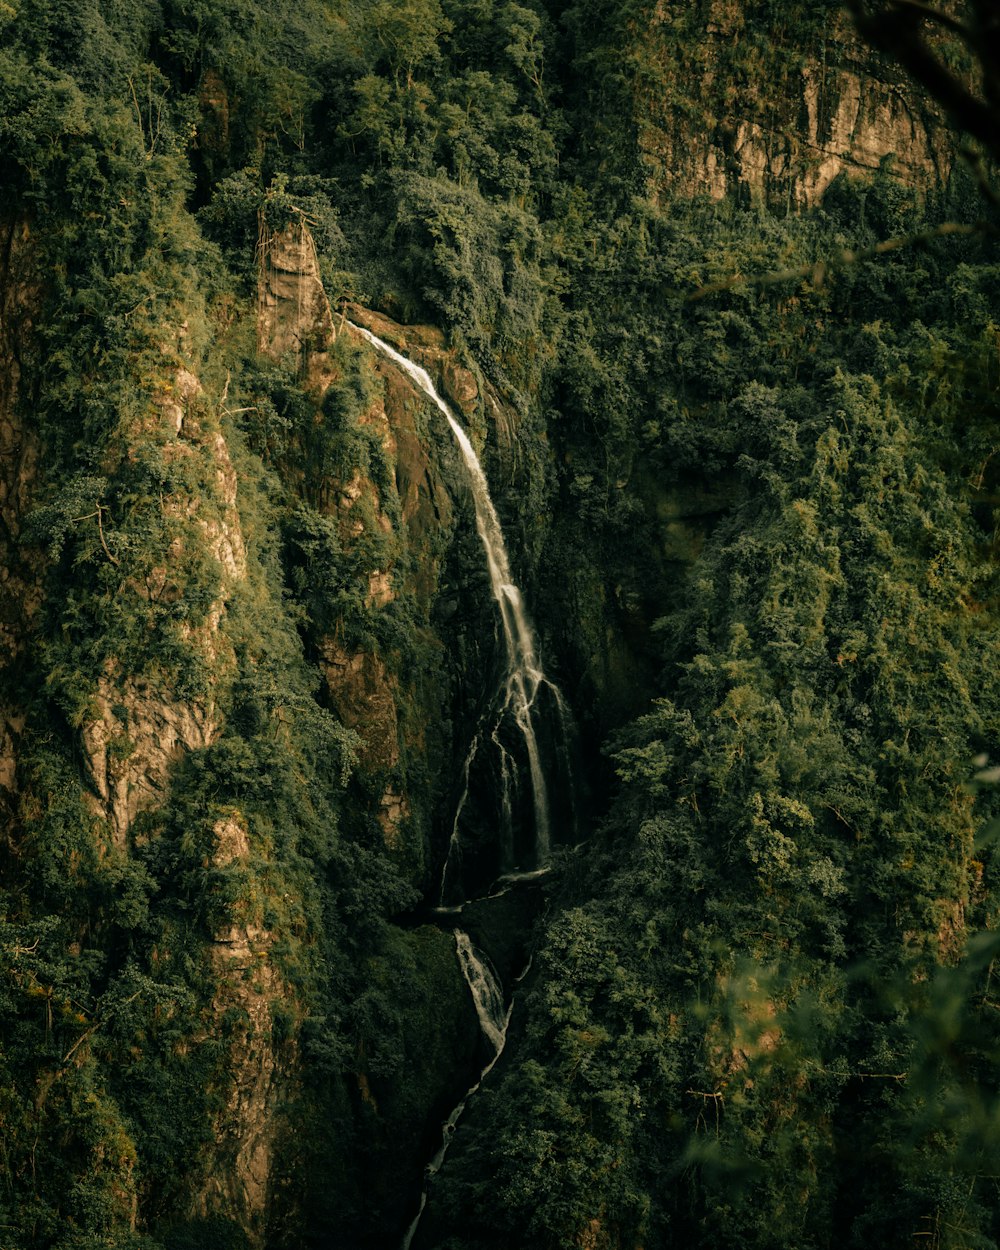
(245, 625)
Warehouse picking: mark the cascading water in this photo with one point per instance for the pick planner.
(525, 677)
(454, 845)
(517, 700)
(486, 993)
(494, 1018)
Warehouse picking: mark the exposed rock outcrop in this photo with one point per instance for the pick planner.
(139, 727)
(426, 346)
(364, 698)
(295, 322)
(293, 313)
(743, 126)
(261, 1059)
(137, 735)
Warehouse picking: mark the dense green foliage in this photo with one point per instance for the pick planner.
(733, 1040)
(757, 530)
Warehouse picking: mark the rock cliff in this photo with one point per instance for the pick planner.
(776, 113)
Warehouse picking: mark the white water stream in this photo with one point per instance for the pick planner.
(524, 672)
(454, 844)
(494, 1018)
(519, 694)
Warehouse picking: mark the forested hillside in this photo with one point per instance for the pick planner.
(713, 289)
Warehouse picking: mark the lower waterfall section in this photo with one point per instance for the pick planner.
(494, 1018)
(486, 993)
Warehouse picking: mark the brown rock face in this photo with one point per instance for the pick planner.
(129, 748)
(295, 322)
(259, 1068)
(727, 107)
(139, 728)
(293, 313)
(364, 697)
(424, 345)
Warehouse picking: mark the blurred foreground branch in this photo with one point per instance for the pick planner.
(818, 271)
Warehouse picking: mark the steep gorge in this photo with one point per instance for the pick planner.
(258, 650)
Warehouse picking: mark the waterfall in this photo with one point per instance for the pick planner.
(454, 846)
(524, 672)
(494, 1018)
(486, 993)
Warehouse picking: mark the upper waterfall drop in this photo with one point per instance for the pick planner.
(524, 671)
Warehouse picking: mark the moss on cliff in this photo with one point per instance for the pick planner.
(247, 635)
